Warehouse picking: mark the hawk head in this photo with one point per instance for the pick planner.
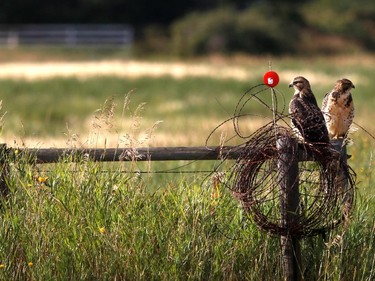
(300, 83)
(302, 89)
(344, 85)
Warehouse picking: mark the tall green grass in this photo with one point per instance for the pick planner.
(79, 222)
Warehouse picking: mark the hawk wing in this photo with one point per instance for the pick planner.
(325, 101)
(326, 106)
(308, 119)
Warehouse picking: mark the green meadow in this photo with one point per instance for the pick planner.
(126, 221)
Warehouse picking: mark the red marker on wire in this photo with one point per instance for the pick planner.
(271, 79)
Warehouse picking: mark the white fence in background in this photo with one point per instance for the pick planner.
(67, 34)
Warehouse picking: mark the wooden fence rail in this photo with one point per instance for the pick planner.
(53, 155)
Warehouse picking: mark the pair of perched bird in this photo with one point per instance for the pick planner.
(332, 121)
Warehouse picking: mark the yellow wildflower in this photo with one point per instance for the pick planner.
(30, 264)
(2, 265)
(42, 179)
(102, 229)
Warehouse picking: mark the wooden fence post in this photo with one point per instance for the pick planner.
(342, 177)
(289, 202)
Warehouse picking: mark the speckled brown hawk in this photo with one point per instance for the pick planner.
(338, 109)
(306, 115)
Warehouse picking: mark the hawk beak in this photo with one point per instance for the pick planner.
(291, 85)
(353, 86)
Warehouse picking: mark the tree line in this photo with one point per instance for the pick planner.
(193, 27)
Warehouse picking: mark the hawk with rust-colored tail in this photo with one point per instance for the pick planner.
(306, 115)
(338, 109)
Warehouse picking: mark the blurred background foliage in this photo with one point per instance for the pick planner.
(199, 27)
